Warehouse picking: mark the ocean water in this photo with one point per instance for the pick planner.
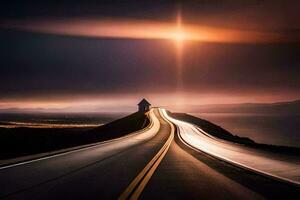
(268, 129)
(262, 128)
(57, 120)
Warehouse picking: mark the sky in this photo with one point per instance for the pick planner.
(78, 56)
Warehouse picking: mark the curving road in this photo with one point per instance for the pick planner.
(104, 170)
(278, 166)
(149, 164)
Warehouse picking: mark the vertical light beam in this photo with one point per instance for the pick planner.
(179, 39)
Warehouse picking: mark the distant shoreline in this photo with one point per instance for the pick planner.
(14, 124)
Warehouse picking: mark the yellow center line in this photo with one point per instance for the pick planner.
(136, 187)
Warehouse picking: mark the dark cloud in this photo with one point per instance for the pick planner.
(218, 12)
(34, 63)
(238, 68)
(159, 9)
(41, 64)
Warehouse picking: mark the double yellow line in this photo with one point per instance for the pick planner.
(135, 188)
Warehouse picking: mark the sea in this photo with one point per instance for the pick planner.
(262, 128)
(57, 120)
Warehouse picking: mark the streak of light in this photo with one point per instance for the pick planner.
(283, 167)
(179, 39)
(142, 29)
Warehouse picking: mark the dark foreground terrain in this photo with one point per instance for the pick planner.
(15, 142)
(107, 170)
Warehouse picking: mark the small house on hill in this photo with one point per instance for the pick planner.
(144, 106)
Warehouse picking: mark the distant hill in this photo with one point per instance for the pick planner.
(292, 107)
(212, 128)
(120, 127)
(16, 142)
(219, 132)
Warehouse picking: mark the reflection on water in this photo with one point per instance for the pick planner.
(269, 129)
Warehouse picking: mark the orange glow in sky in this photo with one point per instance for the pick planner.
(143, 29)
(179, 35)
(178, 32)
(127, 103)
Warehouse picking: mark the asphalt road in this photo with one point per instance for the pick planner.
(280, 166)
(102, 171)
(149, 164)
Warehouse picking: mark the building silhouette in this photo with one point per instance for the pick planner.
(144, 106)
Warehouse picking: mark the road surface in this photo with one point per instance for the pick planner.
(279, 166)
(149, 164)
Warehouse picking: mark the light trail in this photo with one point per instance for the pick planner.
(278, 166)
(113, 145)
